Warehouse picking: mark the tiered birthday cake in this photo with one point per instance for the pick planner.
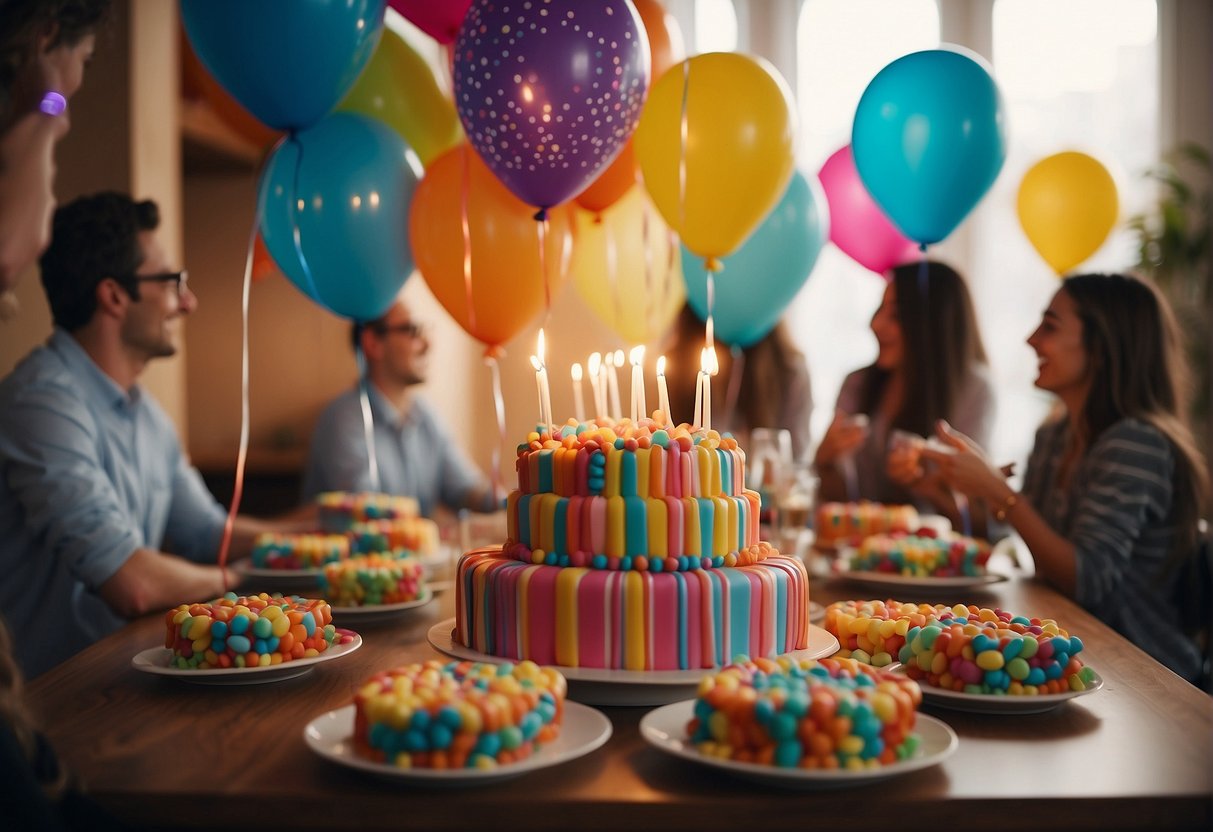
(631, 547)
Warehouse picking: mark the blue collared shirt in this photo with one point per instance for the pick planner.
(415, 455)
(89, 473)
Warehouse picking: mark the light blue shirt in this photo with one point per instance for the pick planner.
(88, 474)
(415, 455)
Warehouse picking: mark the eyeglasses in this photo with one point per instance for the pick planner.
(179, 279)
(410, 329)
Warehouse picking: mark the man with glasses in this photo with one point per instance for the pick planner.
(415, 455)
(93, 481)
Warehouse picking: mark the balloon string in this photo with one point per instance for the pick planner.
(464, 205)
(542, 216)
(612, 264)
(682, 145)
(242, 455)
(368, 420)
(296, 234)
(650, 310)
(735, 374)
(499, 409)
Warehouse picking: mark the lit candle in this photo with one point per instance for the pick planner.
(541, 381)
(663, 395)
(639, 404)
(697, 415)
(595, 368)
(710, 368)
(614, 362)
(578, 396)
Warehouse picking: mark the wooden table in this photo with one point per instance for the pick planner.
(158, 751)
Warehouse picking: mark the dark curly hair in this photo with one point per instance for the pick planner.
(92, 238)
(27, 20)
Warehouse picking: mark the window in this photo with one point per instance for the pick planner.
(1080, 75)
(841, 45)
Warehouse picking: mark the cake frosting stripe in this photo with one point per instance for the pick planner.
(567, 637)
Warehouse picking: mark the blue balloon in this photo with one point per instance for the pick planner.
(929, 140)
(346, 186)
(287, 64)
(760, 279)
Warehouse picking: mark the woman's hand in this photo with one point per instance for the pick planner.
(844, 435)
(963, 465)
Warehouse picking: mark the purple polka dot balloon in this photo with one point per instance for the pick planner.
(549, 91)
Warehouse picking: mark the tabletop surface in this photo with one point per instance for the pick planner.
(161, 751)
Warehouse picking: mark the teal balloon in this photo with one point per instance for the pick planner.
(345, 185)
(286, 63)
(760, 279)
(929, 139)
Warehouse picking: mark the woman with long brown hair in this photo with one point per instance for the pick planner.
(1115, 487)
(931, 365)
(764, 385)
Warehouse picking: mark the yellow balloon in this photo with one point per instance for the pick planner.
(627, 268)
(1067, 206)
(398, 88)
(736, 156)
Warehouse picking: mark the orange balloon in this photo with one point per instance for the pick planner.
(197, 82)
(612, 183)
(665, 38)
(665, 50)
(506, 290)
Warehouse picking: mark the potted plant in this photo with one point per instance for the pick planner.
(1174, 248)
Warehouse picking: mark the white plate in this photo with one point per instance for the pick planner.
(582, 731)
(817, 613)
(666, 729)
(378, 612)
(277, 578)
(984, 703)
(598, 686)
(155, 660)
(895, 581)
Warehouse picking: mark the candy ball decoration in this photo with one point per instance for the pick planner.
(1067, 206)
(548, 93)
(345, 186)
(287, 68)
(929, 139)
(857, 225)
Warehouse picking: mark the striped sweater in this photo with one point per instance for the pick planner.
(1116, 511)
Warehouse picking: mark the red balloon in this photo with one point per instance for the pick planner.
(440, 19)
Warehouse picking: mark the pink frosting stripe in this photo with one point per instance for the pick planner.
(500, 586)
(673, 525)
(664, 597)
(694, 619)
(673, 472)
(592, 618)
(541, 615)
(598, 509)
(615, 587)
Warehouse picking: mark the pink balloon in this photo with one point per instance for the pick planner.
(857, 225)
(440, 19)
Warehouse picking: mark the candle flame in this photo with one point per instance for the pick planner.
(661, 366)
(536, 363)
(636, 356)
(540, 352)
(595, 364)
(708, 362)
(576, 372)
(618, 355)
(608, 360)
